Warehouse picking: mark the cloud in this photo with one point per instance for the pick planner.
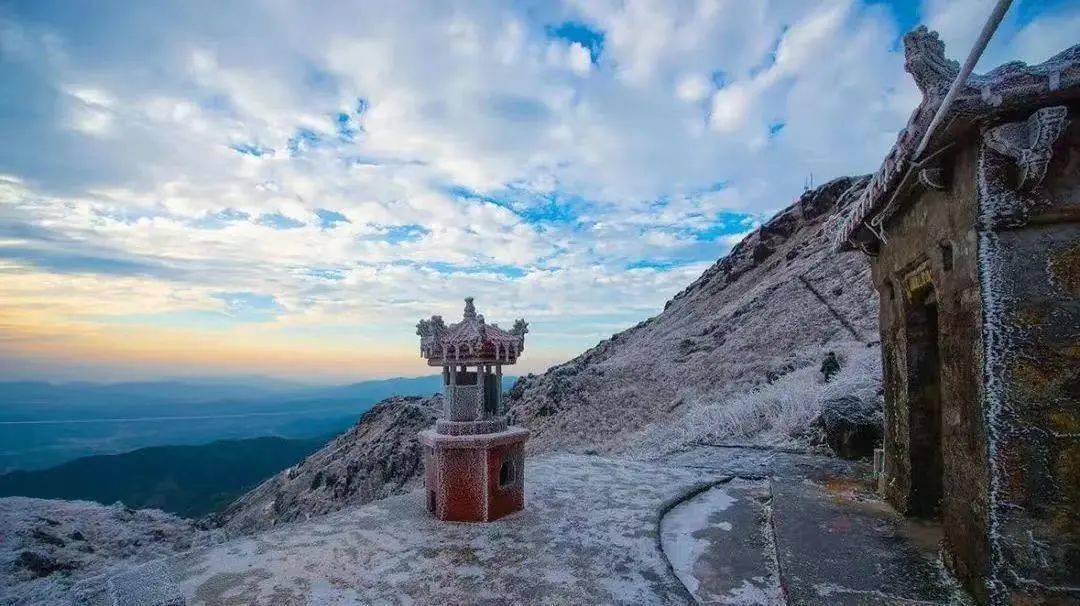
(341, 172)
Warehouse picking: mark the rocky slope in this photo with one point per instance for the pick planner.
(46, 546)
(764, 315)
(752, 317)
(775, 304)
(378, 457)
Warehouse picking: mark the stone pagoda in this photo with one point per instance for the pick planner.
(474, 463)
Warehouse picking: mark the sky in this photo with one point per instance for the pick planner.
(285, 188)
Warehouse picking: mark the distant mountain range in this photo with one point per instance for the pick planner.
(186, 446)
(44, 424)
(189, 481)
(39, 400)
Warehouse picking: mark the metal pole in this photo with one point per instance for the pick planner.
(988, 30)
(991, 25)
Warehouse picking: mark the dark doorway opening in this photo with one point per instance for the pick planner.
(506, 474)
(924, 401)
(491, 394)
(431, 503)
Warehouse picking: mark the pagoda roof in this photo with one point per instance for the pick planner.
(470, 341)
(1002, 93)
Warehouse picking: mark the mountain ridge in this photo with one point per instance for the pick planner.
(378, 457)
(184, 480)
(754, 315)
(600, 400)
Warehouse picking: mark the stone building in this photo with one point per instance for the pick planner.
(975, 252)
(474, 463)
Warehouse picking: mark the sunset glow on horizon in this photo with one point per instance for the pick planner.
(285, 189)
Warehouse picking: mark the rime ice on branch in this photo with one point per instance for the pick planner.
(474, 464)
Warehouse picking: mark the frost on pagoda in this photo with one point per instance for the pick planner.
(474, 464)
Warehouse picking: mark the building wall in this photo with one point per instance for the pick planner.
(461, 489)
(1030, 258)
(919, 237)
(503, 500)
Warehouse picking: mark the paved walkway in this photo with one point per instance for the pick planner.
(712, 525)
(720, 544)
(806, 531)
(588, 536)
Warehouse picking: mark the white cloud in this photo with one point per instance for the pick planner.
(177, 144)
(580, 59)
(692, 87)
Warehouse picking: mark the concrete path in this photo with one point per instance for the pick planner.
(809, 532)
(711, 525)
(589, 535)
(720, 543)
(836, 547)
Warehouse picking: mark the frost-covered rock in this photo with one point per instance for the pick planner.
(380, 456)
(774, 305)
(47, 546)
(853, 426)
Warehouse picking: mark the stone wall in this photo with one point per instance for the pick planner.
(1030, 262)
(932, 244)
(994, 254)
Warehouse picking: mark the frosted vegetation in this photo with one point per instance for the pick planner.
(778, 413)
(767, 313)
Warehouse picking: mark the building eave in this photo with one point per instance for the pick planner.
(985, 99)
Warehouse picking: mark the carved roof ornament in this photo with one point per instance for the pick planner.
(924, 59)
(988, 98)
(471, 341)
(1029, 143)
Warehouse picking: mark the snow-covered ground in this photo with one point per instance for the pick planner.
(588, 535)
(46, 546)
(728, 525)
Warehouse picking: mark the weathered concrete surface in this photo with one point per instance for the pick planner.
(760, 462)
(829, 540)
(835, 548)
(588, 535)
(795, 529)
(720, 544)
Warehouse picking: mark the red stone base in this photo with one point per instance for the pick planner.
(474, 478)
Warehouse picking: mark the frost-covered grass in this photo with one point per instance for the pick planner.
(775, 413)
(46, 546)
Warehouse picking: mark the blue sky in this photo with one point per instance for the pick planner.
(284, 187)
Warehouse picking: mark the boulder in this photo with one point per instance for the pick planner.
(853, 426)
